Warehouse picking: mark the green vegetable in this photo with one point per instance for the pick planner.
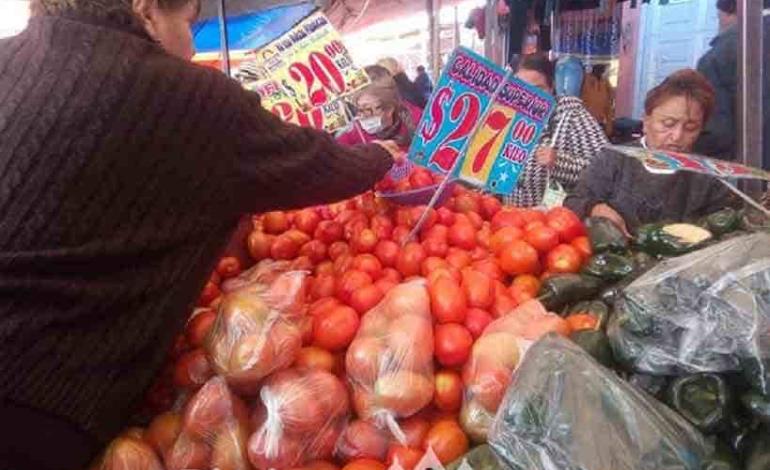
(703, 399)
(756, 370)
(597, 308)
(655, 385)
(609, 266)
(671, 239)
(737, 432)
(605, 235)
(721, 459)
(595, 343)
(479, 458)
(561, 290)
(758, 405)
(759, 450)
(724, 221)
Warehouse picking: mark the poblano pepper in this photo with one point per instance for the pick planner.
(759, 450)
(561, 290)
(724, 221)
(721, 459)
(479, 458)
(758, 405)
(609, 266)
(704, 399)
(605, 235)
(670, 239)
(596, 308)
(595, 343)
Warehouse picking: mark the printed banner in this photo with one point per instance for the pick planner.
(503, 141)
(667, 163)
(302, 75)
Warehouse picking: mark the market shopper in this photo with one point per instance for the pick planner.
(123, 170)
(621, 189)
(423, 82)
(578, 139)
(407, 88)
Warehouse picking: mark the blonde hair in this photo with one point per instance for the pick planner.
(392, 65)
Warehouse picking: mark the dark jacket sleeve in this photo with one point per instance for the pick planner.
(596, 183)
(284, 166)
(409, 91)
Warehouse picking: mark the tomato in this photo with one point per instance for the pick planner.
(437, 232)
(508, 217)
(542, 238)
(415, 428)
(210, 292)
(548, 324)
(259, 244)
(527, 283)
(403, 392)
(410, 259)
(324, 267)
(163, 431)
(490, 206)
(329, 231)
(431, 218)
(390, 274)
(284, 248)
(343, 264)
(503, 237)
(338, 249)
(275, 222)
(478, 254)
(400, 235)
(536, 224)
(420, 178)
(318, 465)
(362, 440)
(447, 300)
(563, 259)
(385, 285)
(445, 216)
(484, 237)
(476, 320)
(313, 357)
(369, 264)
(466, 203)
(489, 267)
(533, 215)
(315, 250)
(382, 227)
(583, 246)
(435, 247)
(518, 257)
(504, 304)
(198, 327)
(458, 258)
(334, 329)
(520, 295)
(447, 440)
(478, 289)
(582, 321)
(299, 237)
(448, 395)
(452, 344)
(463, 236)
(366, 298)
(228, 267)
(566, 223)
(215, 278)
(307, 220)
(192, 369)
(365, 464)
(406, 457)
(365, 241)
(387, 252)
(351, 281)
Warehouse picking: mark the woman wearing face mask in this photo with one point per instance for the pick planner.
(571, 140)
(621, 189)
(124, 169)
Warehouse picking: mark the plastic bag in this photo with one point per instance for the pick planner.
(258, 329)
(565, 411)
(390, 361)
(495, 356)
(129, 452)
(708, 311)
(214, 431)
(299, 417)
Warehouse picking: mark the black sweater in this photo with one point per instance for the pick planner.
(123, 171)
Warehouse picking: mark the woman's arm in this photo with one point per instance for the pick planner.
(596, 184)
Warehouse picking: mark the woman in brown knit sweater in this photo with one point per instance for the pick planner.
(123, 171)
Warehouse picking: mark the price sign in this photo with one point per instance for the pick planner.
(302, 75)
(514, 115)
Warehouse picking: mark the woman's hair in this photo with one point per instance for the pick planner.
(539, 62)
(686, 83)
(97, 8)
(391, 65)
(379, 75)
(387, 95)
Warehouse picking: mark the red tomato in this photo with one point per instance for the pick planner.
(382, 227)
(366, 298)
(475, 219)
(445, 216)
(533, 215)
(365, 241)
(566, 223)
(338, 249)
(478, 289)
(410, 259)
(447, 440)
(369, 264)
(259, 245)
(508, 217)
(420, 178)
(275, 222)
(415, 428)
(228, 267)
(299, 237)
(476, 320)
(431, 218)
(452, 344)
(215, 278)
(490, 206)
(462, 236)
(315, 250)
(312, 357)
(390, 274)
(163, 431)
(400, 234)
(210, 293)
(448, 395)
(520, 295)
(478, 254)
(323, 286)
(324, 267)
(385, 285)
(365, 464)
(503, 238)
(435, 247)
(406, 457)
(334, 329)
(466, 203)
(563, 259)
(542, 238)
(447, 300)
(484, 237)
(489, 267)
(284, 248)
(198, 327)
(437, 232)
(307, 220)
(387, 252)
(458, 258)
(329, 231)
(582, 321)
(527, 283)
(192, 369)
(342, 264)
(351, 281)
(362, 440)
(504, 304)
(518, 257)
(583, 246)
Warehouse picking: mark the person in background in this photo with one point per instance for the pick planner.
(579, 139)
(423, 82)
(381, 115)
(125, 169)
(408, 90)
(619, 188)
(597, 95)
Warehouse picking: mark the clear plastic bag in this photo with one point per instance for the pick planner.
(214, 431)
(129, 452)
(495, 356)
(708, 311)
(390, 361)
(299, 417)
(565, 411)
(258, 329)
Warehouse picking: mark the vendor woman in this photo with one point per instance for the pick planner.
(621, 189)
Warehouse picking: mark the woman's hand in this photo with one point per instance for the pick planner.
(546, 156)
(398, 155)
(604, 210)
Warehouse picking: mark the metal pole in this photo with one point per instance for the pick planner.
(493, 49)
(434, 26)
(750, 82)
(224, 38)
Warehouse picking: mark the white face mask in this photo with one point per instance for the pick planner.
(371, 125)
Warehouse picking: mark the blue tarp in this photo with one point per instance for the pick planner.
(250, 31)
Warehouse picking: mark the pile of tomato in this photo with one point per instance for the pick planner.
(479, 261)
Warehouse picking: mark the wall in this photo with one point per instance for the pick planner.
(14, 15)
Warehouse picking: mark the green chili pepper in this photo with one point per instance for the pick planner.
(703, 399)
(605, 235)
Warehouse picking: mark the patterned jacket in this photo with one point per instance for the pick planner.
(580, 140)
